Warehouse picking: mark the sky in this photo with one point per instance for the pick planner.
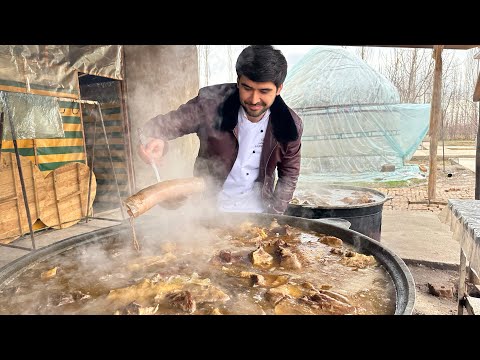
(293, 53)
(222, 69)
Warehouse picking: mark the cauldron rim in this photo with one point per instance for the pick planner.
(393, 264)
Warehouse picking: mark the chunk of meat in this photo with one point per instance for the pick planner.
(148, 261)
(331, 241)
(290, 306)
(49, 273)
(216, 311)
(147, 292)
(357, 260)
(257, 280)
(135, 308)
(182, 300)
(263, 280)
(66, 298)
(336, 251)
(274, 295)
(225, 255)
(261, 258)
(288, 259)
(327, 304)
(292, 298)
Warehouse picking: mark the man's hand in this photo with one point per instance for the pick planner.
(153, 151)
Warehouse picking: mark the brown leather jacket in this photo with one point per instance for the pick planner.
(213, 115)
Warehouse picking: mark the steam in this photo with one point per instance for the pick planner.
(159, 79)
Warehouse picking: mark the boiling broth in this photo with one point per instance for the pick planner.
(211, 268)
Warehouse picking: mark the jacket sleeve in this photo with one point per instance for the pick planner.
(288, 171)
(185, 120)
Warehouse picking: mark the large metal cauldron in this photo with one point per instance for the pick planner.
(394, 265)
(364, 218)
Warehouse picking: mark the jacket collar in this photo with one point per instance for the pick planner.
(283, 125)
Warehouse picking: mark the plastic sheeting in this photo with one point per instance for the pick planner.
(50, 69)
(33, 116)
(353, 120)
(105, 60)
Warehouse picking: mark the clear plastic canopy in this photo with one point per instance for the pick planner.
(32, 77)
(353, 120)
(33, 116)
(51, 69)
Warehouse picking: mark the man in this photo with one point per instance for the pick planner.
(246, 132)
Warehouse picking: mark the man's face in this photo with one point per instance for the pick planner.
(256, 97)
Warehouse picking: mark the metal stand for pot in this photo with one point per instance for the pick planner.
(93, 159)
(22, 180)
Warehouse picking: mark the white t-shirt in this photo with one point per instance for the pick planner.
(240, 192)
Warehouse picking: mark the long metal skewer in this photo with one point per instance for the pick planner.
(143, 141)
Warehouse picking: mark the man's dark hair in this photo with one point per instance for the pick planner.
(262, 63)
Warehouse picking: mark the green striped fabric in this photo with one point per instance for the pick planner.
(54, 165)
(21, 151)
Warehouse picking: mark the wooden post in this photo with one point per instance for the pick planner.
(476, 97)
(127, 127)
(55, 193)
(477, 159)
(80, 110)
(435, 113)
(35, 153)
(17, 193)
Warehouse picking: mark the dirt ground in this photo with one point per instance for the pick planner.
(426, 303)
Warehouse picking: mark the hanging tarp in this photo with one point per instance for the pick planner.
(51, 69)
(51, 153)
(105, 61)
(33, 116)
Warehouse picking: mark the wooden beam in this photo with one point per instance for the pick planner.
(435, 114)
(477, 160)
(476, 94)
(449, 47)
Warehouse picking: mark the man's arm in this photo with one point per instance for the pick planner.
(288, 172)
(185, 120)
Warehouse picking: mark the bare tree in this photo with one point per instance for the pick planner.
(410, 70)
(471, 75)
(230, 65)
(364, 52)
(460, 112)
(206, 52)
(203, 66)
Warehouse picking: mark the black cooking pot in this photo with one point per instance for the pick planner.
(364, 218)
(394, 265)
